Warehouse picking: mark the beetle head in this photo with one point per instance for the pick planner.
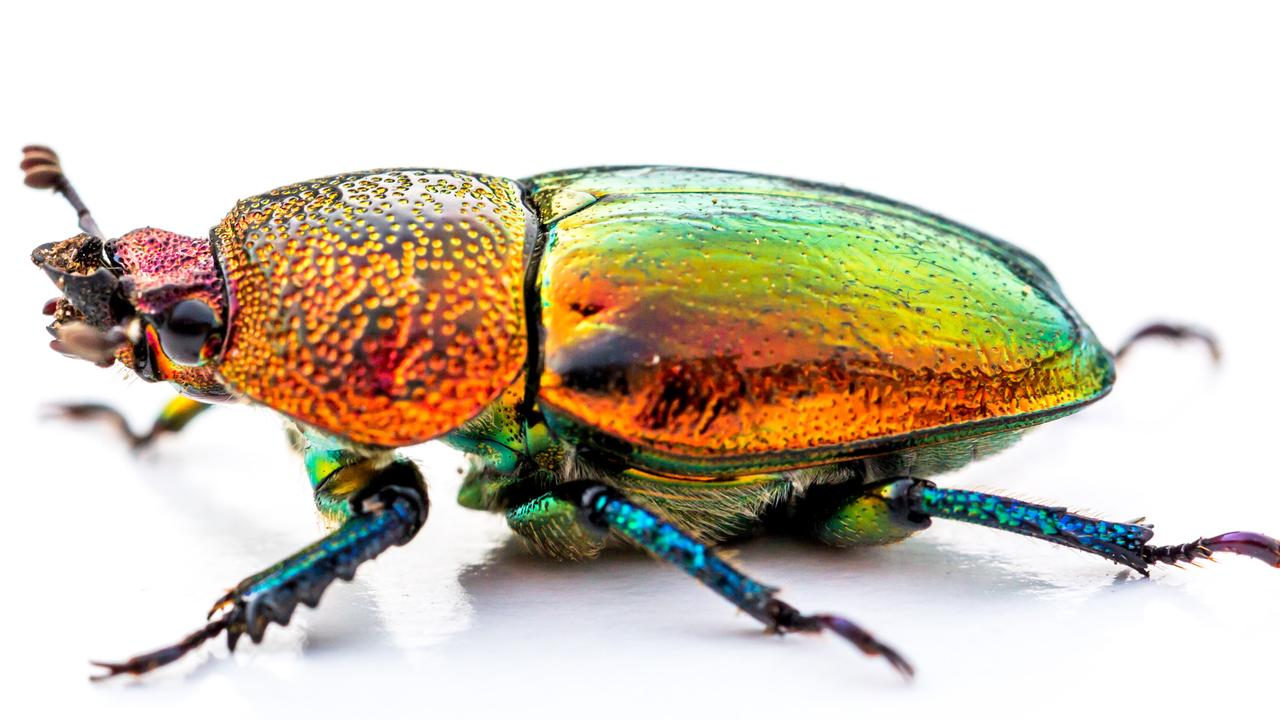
(151, 299)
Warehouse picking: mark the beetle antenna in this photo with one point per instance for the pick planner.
(44, 172)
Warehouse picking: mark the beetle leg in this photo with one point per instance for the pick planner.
(852, 513)
(1124, 543)
(380, 501)
(176, 414)
(604, 508)
(387, 510)
(1172, 332)
(550, 525)
(1254, 545)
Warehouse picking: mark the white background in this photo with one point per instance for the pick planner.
(1131, 146)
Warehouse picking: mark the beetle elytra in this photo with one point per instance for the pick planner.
(670, 357)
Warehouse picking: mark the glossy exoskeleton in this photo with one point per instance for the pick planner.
(665, 356)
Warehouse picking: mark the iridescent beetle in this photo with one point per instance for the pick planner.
(672, 356)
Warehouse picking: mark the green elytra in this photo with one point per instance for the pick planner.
(721, 351)
(707, 323)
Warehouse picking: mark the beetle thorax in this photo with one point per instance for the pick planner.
(385, 307)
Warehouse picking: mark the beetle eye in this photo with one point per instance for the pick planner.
(186, 332)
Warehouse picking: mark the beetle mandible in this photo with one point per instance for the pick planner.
(660, 355)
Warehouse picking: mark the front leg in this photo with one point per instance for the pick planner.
(376, 500)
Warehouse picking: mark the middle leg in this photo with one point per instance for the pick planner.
(585, 511)
(173, 418)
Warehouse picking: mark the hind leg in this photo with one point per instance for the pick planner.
(1175, 332)
(852, 513)
(1128, 544)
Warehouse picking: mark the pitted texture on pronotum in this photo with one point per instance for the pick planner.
(708, 340)
(724, 323)
(385, 307)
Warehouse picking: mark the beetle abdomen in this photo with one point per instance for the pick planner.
(385, 307)
(710, 323)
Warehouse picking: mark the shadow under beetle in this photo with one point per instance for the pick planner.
(674, 357)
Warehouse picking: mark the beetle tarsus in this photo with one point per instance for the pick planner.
(1250, 544)
(786, 618)
(1172, 331)
(147, 662)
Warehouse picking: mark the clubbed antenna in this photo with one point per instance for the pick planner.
(44, 172)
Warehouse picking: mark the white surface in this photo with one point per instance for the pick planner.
(1133, 148)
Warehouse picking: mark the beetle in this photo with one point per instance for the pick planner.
(668, 357)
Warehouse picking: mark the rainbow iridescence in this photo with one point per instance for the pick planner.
(667, 542)
(708, 323)
(159, 269)
(385, 307)
(1121, 542)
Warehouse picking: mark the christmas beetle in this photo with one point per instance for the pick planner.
(670, 357)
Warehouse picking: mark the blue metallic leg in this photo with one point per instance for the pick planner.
(376, 501)
(386, 518)
(604, 508)
(1124, 543)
